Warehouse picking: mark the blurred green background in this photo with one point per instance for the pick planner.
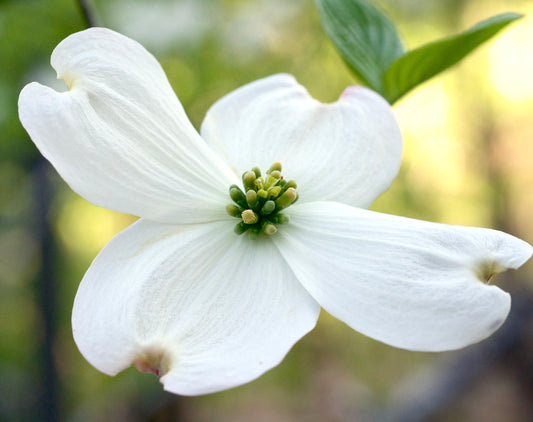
(468, 160)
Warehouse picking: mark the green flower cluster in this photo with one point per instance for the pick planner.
(259, 206)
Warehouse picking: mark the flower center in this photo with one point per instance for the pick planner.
(258, 206)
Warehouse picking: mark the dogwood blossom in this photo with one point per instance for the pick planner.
(211, 287)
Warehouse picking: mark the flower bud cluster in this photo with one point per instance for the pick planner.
(258, 206)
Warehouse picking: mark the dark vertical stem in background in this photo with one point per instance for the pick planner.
(47, 404)
(88, 13)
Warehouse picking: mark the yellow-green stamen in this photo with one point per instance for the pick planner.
(258, 206)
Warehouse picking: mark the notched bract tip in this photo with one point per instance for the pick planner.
(68, 79)
(488, 269)
(153, 361)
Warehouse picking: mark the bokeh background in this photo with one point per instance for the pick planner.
(468, 160)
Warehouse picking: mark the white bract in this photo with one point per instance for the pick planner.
(178, 293)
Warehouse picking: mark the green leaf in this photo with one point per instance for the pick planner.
(363, 35)
(421, 64)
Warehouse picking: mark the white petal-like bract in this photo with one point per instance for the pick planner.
(204, 309)
(119, 136)
(348, 151)
(409, 283)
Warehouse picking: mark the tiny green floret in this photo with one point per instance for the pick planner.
(258, 206)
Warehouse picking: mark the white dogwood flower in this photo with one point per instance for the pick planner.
(221, 276)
